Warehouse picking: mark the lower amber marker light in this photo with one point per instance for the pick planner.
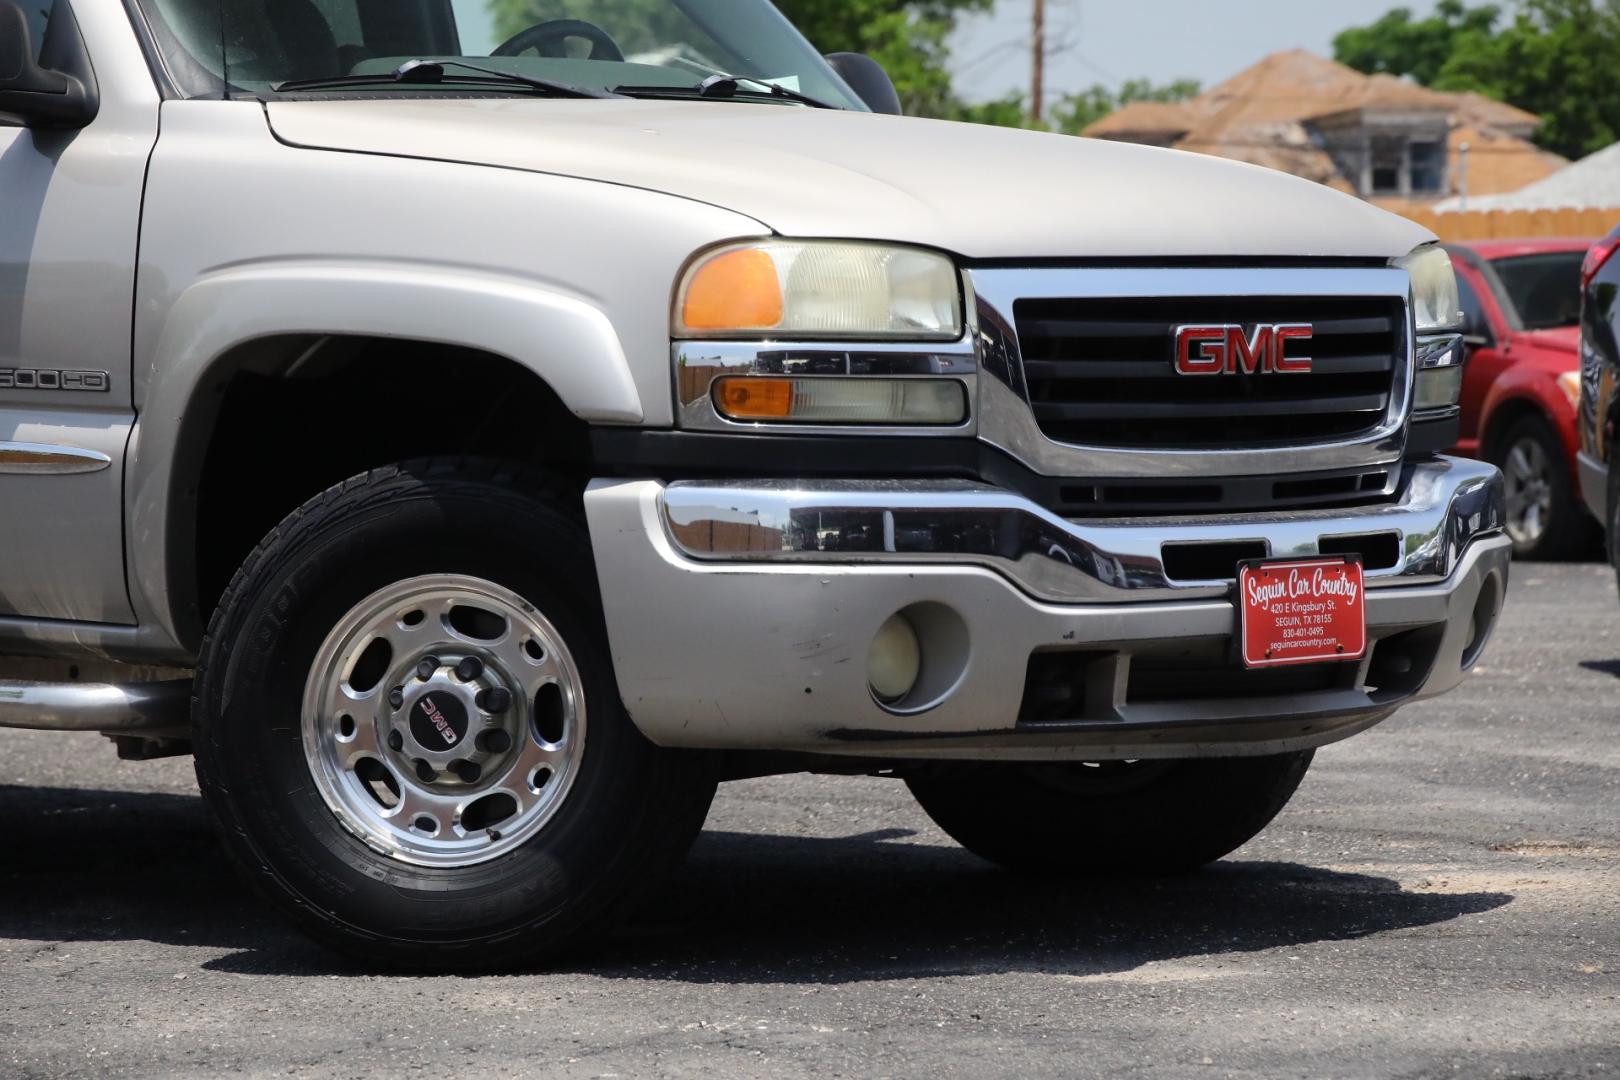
(835, 400)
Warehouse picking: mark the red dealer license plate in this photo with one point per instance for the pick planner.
(1301, 611)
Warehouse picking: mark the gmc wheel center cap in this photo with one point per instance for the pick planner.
(438, 721)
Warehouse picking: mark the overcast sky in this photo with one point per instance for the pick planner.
(1109, 41)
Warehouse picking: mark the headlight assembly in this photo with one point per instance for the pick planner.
(817, 289)
(1435, 305)
(1437, 319)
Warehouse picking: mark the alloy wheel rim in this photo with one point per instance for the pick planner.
(1528, 489)
(443, 720)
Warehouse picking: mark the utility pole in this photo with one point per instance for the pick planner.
(1462, 180)
(1037, 65)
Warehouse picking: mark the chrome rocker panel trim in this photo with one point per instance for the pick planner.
(1446, 504)
(130, 708)
(742, 653)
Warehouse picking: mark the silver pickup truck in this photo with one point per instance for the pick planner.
(475, 429)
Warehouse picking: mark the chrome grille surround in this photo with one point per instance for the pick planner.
(1006, 417)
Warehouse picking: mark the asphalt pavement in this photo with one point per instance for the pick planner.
(1442, 898)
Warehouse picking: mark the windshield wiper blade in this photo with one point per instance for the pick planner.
(432, 72)
(724, 87)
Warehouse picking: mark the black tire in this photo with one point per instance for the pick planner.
(1568, 530)
(1109, 817)
(1611, 544)
(630, 813)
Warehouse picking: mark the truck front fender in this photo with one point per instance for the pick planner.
(565, 341)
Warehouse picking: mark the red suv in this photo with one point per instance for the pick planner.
(1521, 304)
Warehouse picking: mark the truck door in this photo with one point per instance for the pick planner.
(69, 216)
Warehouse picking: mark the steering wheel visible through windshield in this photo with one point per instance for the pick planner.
(215, 47)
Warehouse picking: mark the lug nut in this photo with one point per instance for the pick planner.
(396, 741)
(467, 771)
(427, 667)
(424, 772)
(497, 699)
(396, 696)
(494, 741)
(469, 669)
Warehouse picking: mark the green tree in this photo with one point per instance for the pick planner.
(1073, 113)
(1398, 44)
(1009, 111)
(1554, 58)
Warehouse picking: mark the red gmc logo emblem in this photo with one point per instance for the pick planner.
(1227, 349)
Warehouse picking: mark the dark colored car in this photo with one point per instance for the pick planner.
(1521, 308)
(1600, 385)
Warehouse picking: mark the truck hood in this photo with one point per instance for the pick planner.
(980, 192)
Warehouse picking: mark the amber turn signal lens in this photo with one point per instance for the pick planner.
(754, 398)
(736, 290)
(820, 399)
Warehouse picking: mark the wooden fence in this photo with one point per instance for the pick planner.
(1516, 224)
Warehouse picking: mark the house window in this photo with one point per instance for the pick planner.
(1388, 162)
(1428, 166)
(1402, 165)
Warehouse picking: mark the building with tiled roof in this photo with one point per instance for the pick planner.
(1592, 183)
(1377, 136)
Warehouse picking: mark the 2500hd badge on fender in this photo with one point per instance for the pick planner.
(515, 425)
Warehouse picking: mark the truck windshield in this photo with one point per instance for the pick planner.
(214, 47)
(1544, 289)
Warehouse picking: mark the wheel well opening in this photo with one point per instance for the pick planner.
(1502, 420)
(297, 415)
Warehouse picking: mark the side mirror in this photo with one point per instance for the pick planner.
(37, 96)
(867, 78)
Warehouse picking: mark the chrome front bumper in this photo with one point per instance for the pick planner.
(740, 616)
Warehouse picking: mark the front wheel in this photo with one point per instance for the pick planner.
(1544, 517)
(407, 724)
(1109, 816)
(1612, 539)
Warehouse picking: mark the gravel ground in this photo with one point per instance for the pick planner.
(1442, 898)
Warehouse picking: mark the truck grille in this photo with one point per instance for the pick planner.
(1101, 372)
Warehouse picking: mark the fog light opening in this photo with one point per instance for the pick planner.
(894, 660)
(918, 658)
(1482, 620)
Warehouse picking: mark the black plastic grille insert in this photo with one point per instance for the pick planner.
(1101, 372)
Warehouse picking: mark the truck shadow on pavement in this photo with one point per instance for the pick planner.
(104, 866)
(1603, 667)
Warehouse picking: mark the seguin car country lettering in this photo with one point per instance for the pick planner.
(1316, 584)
